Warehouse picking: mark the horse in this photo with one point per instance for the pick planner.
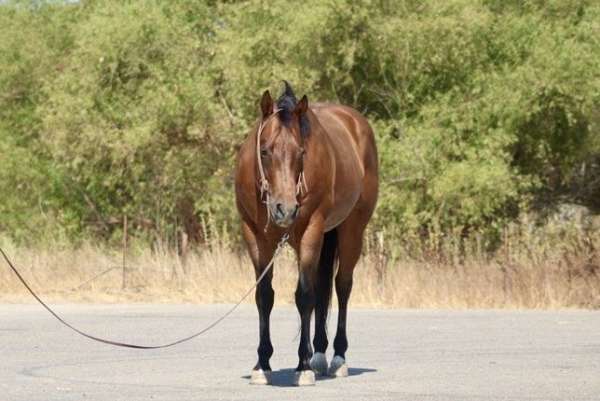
(309, 172)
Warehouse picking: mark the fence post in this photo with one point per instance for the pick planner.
(125, 234)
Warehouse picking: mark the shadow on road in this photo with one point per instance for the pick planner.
(285, 377)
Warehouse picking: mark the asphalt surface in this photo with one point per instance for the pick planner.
(393, 355)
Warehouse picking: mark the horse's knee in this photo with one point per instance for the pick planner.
(265, 296)
(305, 293)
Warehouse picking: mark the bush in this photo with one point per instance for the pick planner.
(132, 119)
(482, 110)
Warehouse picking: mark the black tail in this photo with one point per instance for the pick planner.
(327, 261)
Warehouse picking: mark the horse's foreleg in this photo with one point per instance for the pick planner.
(265, 297)
(309, 251)
(261, 255)
(305, 302)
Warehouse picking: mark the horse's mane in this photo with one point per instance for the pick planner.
(286, 104)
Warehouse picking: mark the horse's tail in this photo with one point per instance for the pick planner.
(327, 261)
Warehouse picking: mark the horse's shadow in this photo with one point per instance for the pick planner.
(285, 377)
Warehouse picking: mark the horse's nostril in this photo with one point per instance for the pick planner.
(279, 209)
(283, 211)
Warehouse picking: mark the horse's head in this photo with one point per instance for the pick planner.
(280, 150)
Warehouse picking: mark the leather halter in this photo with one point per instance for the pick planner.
(265, 189)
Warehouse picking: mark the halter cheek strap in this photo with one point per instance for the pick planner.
(265, 190)
(263, 183)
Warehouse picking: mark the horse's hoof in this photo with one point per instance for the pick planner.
(304, 378)
(260, 376)
(318, 363)
(338, 367)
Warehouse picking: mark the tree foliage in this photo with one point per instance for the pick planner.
(482, 109)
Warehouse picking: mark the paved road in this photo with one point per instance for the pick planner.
(394, 355)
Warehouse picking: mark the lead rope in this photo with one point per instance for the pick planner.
(280, 246)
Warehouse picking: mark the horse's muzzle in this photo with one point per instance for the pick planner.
(284, 215)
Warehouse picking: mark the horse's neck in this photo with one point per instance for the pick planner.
(320, 167)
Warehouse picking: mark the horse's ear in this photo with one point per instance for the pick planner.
(266, 104)
(300, 111)
(301, 106)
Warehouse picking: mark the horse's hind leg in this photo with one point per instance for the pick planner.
(323, 287)
(350, 239)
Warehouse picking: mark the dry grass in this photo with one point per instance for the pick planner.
(525, 273)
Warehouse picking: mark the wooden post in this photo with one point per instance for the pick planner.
(124, 251)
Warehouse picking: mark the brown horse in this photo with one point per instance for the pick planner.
(310, 172)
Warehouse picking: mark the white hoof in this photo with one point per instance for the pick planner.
(304, 378)
(338, 367)
(260, 376)
(318, 363)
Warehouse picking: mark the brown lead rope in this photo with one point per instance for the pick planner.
(126, 345)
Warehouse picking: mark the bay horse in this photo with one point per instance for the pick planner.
(310, 172)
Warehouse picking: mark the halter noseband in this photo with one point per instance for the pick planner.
(265, 189)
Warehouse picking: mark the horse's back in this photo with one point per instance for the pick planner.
(339, 120)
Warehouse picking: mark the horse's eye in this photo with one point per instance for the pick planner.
(264, 153)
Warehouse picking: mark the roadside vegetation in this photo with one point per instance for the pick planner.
(486, 114)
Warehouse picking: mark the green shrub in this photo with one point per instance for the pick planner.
(481, 109)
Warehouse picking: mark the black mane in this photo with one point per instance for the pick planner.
(286, 104)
